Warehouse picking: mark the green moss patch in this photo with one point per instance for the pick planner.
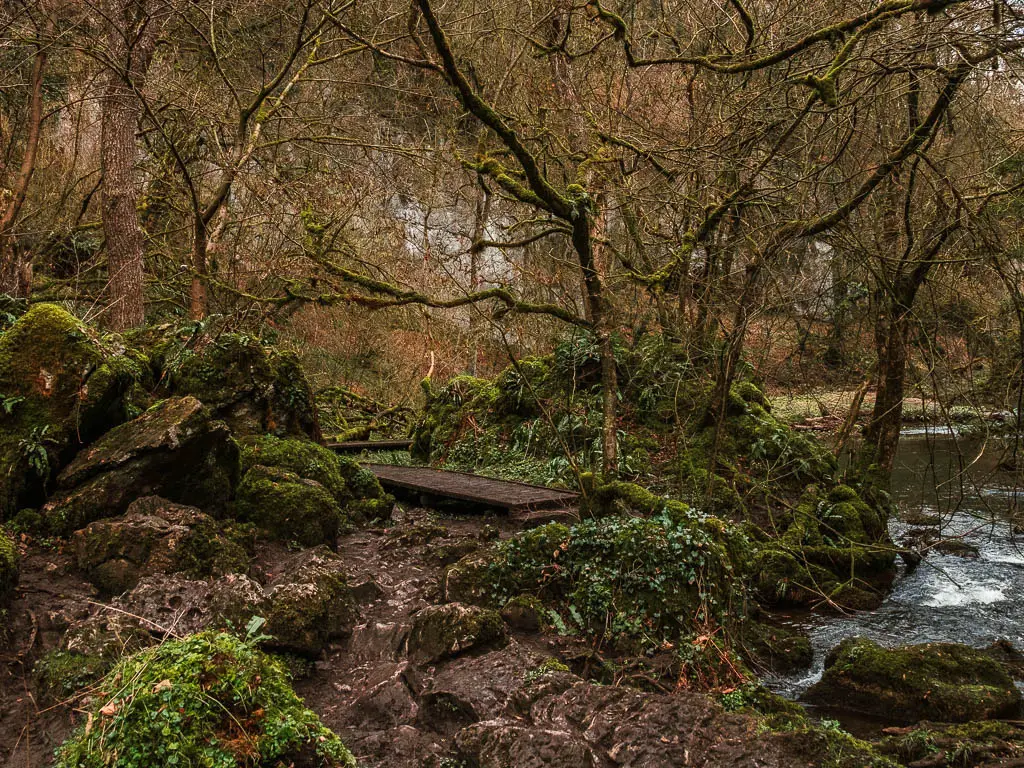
(8, 568)
(936, 681)
(209, 699)
(287, 507)
(356, 490)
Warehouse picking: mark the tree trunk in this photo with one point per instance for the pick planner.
(132, 31)
(882, 434)
(121, 192)
(15, 270)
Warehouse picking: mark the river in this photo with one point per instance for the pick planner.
(950, 598)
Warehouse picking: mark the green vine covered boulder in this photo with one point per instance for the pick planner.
(210, 699)
(289, 507)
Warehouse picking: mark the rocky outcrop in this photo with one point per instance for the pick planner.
(944, 682)
(288, 508)
(310, 604)
(61, 386)
(256, 389)
(444, 631)
(174, 450)
(155, 536)
(560, 721)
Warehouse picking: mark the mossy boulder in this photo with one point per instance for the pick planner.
(944, 682)
(208, 699)
(443, 631)
(311, 603)
(175, 450)
(356, 490)
(157, 536)
(61, 386)
(627, 578)
(288, 507)
(8, 568)
(831, 548)
(254, 387)
(775, 647)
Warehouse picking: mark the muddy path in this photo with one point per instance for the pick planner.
(393, 699)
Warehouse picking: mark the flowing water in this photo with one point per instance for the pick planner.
(975, 601)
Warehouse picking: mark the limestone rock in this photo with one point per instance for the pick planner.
(945, 682)
(63, 385)
(443, 631)
(154, 536)
(310, 605)
(174, 450)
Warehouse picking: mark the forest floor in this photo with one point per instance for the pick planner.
(392, 707)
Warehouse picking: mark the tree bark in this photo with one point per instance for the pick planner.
(15, 269)
(132, 30)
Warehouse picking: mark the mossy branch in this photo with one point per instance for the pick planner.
(731, 64)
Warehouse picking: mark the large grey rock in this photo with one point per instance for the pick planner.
(174, 450)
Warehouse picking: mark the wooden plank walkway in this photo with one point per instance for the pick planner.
(462, 486)
(371, 445)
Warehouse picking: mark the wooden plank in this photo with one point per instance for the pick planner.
(463, 486)
(371, 445)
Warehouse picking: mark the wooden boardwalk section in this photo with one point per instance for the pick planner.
(371, 445)
(517, 498)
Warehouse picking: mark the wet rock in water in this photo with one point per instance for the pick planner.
(356, 490)
(64, 385)
(956, 547)
(288, 507)
(174, 450)
(945, 682)
(310, 604)
(8, 568)
(443, 631)
(778, 648)
(1009, 656)
(918, 517)
(255, 388)
(155, 536)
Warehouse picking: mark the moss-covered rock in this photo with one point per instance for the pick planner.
(311, 604)
(61, 386)
(356, 490)
(775, 647)
(8, 568)
(629, 578)
(61, 674)
(946, 682)
(209, 699)
(255, 388)
(289, 508)
(174, 450)
(157, 536)
(829, 548)
(985, 743)
(443, 631)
